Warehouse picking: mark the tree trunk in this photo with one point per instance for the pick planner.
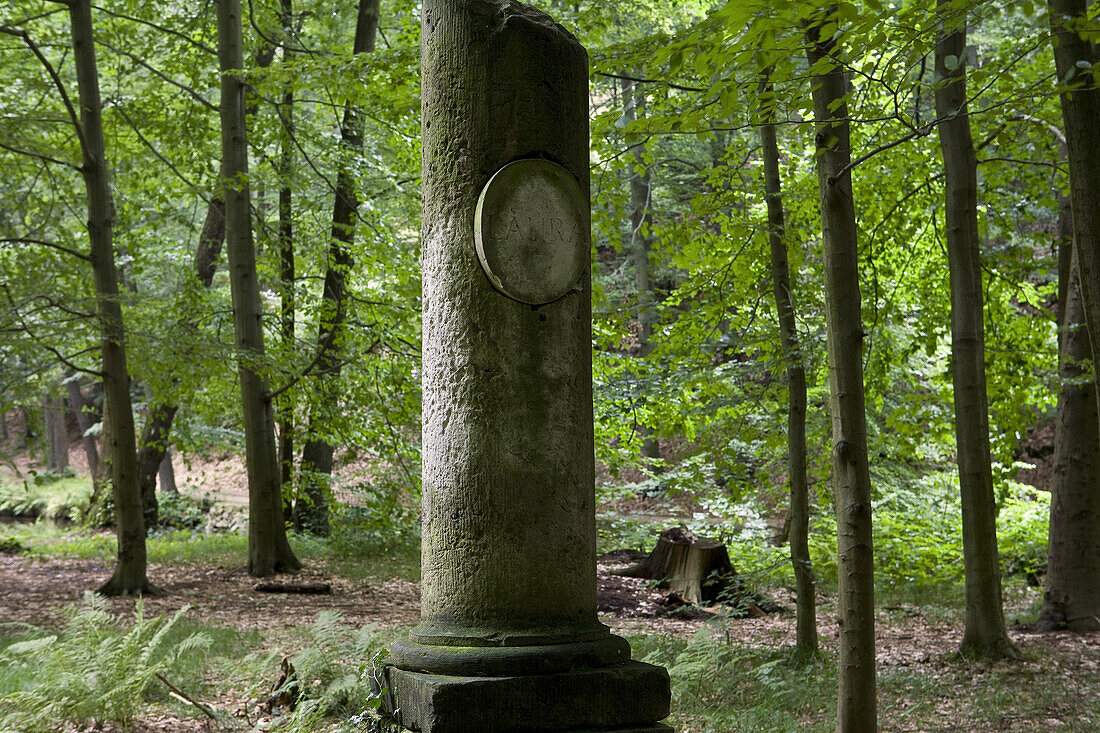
(638, 243)
(311, 509)
(985, 633)
(154, 447)
(799, 519)
(1071, 598)
(129, 575)
(78, 405)
(27, 434)
(286, 269)
(1074, 57)
(856, 699)
(268, 549)
(57, 434)
(166, 475)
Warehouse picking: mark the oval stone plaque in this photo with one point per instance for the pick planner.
(531, 229)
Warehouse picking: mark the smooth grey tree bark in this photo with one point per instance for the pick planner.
(269, 551)
(639, 239)
(129, 576)
(80, 407)
(57, 435)
(1075, 58)
(985, 634)
(856, 698)
(166, 475)
(287, 298)
(311, 510)
(1071, 594)
(805, 586)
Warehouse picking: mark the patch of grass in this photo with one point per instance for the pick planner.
(348, 552)
(357, 551)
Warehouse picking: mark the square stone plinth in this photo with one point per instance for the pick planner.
(628, 698)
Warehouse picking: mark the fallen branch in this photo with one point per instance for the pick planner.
(309, 589)
(183, 697)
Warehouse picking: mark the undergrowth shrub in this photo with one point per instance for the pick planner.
(720, 685)
(94, 670)
(918, 536)
(329, 677)
(48, 495)
(182, 511)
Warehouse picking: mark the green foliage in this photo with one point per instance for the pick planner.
(182, 511)
(94, 670)
(331, 675)
(359, 547)
(720, 685)
(918, 537)
(48, 496)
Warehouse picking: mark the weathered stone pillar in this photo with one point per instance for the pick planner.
(509, 639)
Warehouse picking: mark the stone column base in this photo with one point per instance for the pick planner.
(626, 698)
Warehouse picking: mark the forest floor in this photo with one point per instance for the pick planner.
(909, 638)
(923, 687)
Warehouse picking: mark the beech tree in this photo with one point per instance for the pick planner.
(269, 551)
(856, 698)
(805, 589)
(985, 627)
(311, 509)
(129, 576)
(1074, 599)
(639, 238)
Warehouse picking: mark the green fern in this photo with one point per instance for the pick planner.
(330, 674)
(95, 670)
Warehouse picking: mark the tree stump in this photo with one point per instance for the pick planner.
(696, 568)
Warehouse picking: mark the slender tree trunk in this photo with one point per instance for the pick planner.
(57, 434)
(1071, 598)
(153, 448)
(286, 306)
(856, 699)
(286, 269)
(129, 575)
(311, 510)
(639, 240)
(78, 405)
(985, 633)
(27, 435)
(806, 610)
(268, 549)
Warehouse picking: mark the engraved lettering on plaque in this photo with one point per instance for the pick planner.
(531, 230)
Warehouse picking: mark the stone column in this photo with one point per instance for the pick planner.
(509, 639)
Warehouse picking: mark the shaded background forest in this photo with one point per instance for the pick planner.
(709, 277)
(689, 364)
